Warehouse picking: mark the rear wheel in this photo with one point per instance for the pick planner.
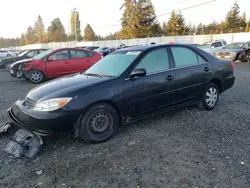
(210, 97)
(35, 76)
(99, 123)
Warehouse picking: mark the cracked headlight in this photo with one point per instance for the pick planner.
(51, 104)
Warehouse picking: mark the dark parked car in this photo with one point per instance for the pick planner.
(125, 86)
(234, 51)
(6, 62)
(54, 63)
(105, 50)
(91, 48)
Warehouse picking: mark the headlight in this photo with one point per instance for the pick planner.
(232, 54)
(51, 104)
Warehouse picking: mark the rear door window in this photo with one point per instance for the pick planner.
(184, 57)
(216, 44)
(78, 54)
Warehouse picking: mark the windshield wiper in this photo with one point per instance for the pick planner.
(93, 74)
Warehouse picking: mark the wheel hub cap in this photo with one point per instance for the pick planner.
(211, 97)
(35, 76)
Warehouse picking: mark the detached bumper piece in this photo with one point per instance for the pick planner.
(24, 144)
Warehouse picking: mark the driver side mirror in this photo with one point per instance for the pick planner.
(138, 73)
(212, 47)
(49, 59)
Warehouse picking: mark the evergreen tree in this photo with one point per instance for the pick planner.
(89, 34)
(22, 40)
(139, 20)
(56, 31)
(243, 22)
(199, 30)
(233, 18)
(30, 36)
(39, 30)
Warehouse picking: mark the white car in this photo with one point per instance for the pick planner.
(4, 53)
(214, 46)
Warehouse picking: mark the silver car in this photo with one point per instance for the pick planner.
(4, 53)
(214, 46)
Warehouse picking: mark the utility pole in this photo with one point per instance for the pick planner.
(74, 11)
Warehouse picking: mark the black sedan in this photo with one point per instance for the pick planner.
(28, 54)
(125, 86)
(234, 51)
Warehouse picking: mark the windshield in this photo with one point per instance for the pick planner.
(234, 46)
(113, 65)
(203, 46)
(23, 53)
(41, 55)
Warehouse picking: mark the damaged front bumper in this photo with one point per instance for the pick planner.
(17, 73)
(42, 123)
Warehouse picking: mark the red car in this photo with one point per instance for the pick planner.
(54, 63)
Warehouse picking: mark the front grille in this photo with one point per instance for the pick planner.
(28, 103)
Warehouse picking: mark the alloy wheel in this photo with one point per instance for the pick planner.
(211, 97)
(36, 76)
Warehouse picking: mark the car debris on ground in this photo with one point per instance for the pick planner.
(4, 127)
(24, 143)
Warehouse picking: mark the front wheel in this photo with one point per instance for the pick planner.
(99, 123)
(35, 76)
(210, 97)
(7, 67)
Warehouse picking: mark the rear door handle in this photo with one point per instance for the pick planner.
(66, 62)
(169, 77)
(206, 69)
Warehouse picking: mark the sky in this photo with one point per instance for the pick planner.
(103, 15)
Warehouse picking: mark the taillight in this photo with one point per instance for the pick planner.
(232, 65)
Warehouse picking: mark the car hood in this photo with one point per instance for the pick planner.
(16, 58)
(231, 50)
(21, 61)
(64, 86)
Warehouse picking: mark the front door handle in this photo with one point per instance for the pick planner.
(206, 69)
(169, 77)
(66, 62)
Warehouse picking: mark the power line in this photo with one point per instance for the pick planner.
(194, 6)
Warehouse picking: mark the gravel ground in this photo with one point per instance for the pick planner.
(183, 148)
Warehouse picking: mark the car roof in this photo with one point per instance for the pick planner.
(147, 47)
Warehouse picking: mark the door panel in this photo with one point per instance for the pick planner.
(191, 81)
(153, 91)
(192, 72)
(149, 93)
(80, 61)
(60, 64)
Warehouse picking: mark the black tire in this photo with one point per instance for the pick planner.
(7, 66)
(243, 59)
(204, 104)
(99, 123)
(8, 55)
(35, 76)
